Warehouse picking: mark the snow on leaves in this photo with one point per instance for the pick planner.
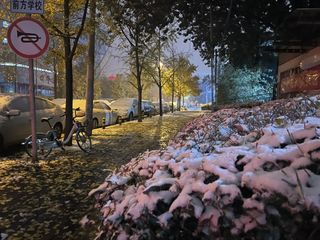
(238, 172)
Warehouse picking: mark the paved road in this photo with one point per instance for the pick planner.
(47, 202)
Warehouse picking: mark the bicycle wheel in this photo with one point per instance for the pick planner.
(42, 144)
(83, 140)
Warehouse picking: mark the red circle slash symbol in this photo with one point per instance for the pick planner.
(28, 37)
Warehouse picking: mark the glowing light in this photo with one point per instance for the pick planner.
(7, 64)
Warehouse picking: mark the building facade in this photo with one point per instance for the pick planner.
(14, 71)
(300, 74)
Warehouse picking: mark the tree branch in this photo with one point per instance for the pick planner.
(84, 16)
(133, 85)
(53, 26)
(126, 36)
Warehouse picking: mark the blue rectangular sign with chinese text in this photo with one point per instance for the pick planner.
(27, 6)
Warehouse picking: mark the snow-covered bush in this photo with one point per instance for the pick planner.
(233, 174)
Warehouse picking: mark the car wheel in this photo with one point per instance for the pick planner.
(95, 123)
(58, 128)
(119, 120)
(130, 116)
(1, 144)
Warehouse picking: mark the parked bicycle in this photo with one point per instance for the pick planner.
(45, 142)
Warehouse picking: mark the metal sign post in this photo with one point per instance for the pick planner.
(33, 113)
(32, 110)
(29, 39)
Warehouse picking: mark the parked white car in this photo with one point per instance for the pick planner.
(15, 118)
(102, 114)
(127, 108)
(102, 108)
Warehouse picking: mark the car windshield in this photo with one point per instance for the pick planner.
(105, 101)
(124, 102)
(77, 103)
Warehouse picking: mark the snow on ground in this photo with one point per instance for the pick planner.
(249, 173)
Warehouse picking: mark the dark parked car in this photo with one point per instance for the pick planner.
(165, 107)
(148, 108)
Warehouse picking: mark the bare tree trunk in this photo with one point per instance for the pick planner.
(55, 75)
(160, 101)
(139, 85)
(90, 69)
(139, 101)
(68, 71)
(68, 57)
(211, 59)
(215, 75)
(172, 93)
(138, 73)
(159, 76)
(55, 78)
(69, 88)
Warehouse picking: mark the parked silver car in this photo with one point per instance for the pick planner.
(15, 118)
(102, 108)
(127, 108)
(102, 114)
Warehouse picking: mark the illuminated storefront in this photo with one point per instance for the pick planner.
(301, 74)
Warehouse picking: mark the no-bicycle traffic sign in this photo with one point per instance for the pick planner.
(28, 37)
